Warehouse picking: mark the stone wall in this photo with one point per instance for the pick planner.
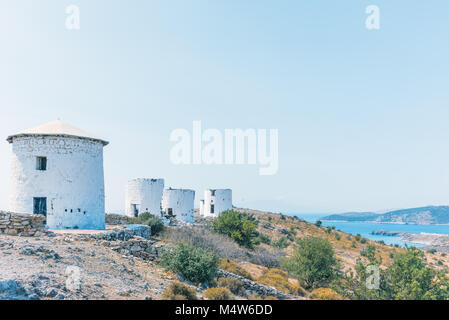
(257, 288)
(26, 225)
(117, 219)
(134, 240)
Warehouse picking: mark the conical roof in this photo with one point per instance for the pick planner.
(56, 128)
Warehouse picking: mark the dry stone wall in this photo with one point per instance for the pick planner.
(117, 219)
(26, 225)
(257, 288)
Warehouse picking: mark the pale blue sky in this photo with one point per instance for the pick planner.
(362, 115)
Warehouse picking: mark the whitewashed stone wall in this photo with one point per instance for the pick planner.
(73, 182)
(181, 202)
(146, 194)
(221, 199)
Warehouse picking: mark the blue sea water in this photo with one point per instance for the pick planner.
(365, 229)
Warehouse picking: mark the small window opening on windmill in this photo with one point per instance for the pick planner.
(41, 163)
(212, 208)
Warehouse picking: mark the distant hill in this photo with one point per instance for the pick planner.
(422, 215)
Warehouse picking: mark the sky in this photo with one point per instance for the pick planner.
(362, 114)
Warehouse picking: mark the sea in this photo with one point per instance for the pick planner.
(365, 229)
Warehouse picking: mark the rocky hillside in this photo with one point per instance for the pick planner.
(121, 263)
(423, 215)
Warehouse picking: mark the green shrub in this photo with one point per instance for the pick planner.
(313, 262)
(179, 291)
(240, 227)
(261, 238)
(370, 253)
(318, 223)
(282, 243)
(156, 224)
(410, 278)
(337, 237)
(358, 237)
(292, 232)
(431, 251)
(363, 240)
(234, 285)
(217, 294)
(195, 264)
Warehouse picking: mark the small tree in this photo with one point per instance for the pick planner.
(313, 262)
(318, 223)
(409, 278)
(195, 264)
(240, 227)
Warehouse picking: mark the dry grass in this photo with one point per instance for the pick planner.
(325, 294)
(223, 246)
(279, 279)
(233, 267)
(233, 285)
(217, 294)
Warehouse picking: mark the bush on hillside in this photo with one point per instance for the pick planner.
(194, 264)
(313, 262)
(179, 291)
(408, 278)
(324, 294)
(233, 285)
(281, 243)
(262, 238)
(222, 245)
(279, 279)
(232, 267)
(217, 294)
(241, 227)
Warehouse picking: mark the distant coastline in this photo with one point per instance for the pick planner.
(430, 215)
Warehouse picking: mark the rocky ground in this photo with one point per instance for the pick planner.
(46, 268)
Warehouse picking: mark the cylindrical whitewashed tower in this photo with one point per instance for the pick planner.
(144, 195)
(57, 171)
(178, 204)
(216, 201)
